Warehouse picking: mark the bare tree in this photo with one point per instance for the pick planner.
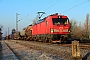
(73, 28)
(89, 26)
(86, 26)
(76, 30)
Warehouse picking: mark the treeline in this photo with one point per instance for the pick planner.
(80, 30)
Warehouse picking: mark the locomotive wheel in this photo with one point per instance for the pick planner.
(62, 39)
(45, 40)
(29, 39)
(33, 39)
(50, 40)
(42, 39)
(65, 39)
(37, 40)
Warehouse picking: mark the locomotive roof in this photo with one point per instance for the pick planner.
(50, 15)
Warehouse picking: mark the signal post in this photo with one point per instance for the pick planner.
(76, 51)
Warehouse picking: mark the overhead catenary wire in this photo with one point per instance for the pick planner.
(68, 4)
(52, 5)
(24, 17)
(75, 6)
(46, 4)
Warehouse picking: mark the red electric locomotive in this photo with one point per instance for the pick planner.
(53, 28)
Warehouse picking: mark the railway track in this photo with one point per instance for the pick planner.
(82, 45)
(0, 51)
(26, 48)
(51, 53)
(57, 49)
(30, 52)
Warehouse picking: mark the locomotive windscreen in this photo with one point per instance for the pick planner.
(60, 21)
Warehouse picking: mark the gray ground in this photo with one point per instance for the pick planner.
(26, 53)
(0, 51)
(39, 51)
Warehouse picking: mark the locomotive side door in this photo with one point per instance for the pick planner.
(46, 29)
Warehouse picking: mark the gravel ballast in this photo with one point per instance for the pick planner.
(42, 51)
(31, 54)
(0, 51)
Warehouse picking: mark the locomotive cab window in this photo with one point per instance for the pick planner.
(46, 23)
(57, 21)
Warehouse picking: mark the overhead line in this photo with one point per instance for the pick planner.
(75, 6)
(24, 17)
(46, 3)
(69, 4)
(52, 5)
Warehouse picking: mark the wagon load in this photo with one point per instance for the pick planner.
(28, 32)
(22, 33)
(17, 35)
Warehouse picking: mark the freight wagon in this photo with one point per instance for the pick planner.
(28, 32)
(22, 34)
(17, 35)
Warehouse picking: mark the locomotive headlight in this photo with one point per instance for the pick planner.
(66, 30)
(56, 30)
(51, 30)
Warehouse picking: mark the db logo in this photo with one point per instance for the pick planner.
(60, 27)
